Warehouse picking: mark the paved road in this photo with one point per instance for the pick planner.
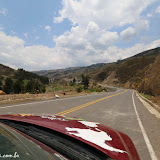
(118, 110)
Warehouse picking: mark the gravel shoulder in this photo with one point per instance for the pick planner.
(150, 104)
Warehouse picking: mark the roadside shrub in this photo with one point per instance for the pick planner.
(79, 89)
(92, 89)
(99, 90)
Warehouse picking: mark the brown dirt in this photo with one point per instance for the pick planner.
(151, 83)
(156, 100)
(111, 80)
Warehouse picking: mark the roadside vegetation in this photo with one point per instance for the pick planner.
(77, 86)
(146, 96)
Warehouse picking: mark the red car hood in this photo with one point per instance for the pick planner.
(115, 144)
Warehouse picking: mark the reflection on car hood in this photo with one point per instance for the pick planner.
(111, 142)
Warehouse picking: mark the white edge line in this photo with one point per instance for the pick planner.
(149, 146)
(44, 101)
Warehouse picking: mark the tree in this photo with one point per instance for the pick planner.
(17, 87)
(1, 84)
(83, 78)
(71, 83)
(74, 81)
(8, 87)
(85, 82)
(29, 86)
(32, 86)
(43, 89)
(119, 61)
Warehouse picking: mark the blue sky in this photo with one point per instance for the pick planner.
(31, 17)
(52, 34)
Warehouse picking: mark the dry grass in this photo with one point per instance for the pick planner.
(13, 98)
(156, 100)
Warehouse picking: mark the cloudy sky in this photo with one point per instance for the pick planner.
(52, 34)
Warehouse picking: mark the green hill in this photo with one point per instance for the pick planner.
(21, 81)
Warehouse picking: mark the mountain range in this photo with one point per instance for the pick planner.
(140, 72)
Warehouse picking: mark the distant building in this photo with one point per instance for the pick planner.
(51, 80)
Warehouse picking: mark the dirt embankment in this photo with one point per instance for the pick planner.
(145, 79)
(156, 100)
(151, 81)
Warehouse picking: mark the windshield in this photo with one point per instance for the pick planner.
(15, 146)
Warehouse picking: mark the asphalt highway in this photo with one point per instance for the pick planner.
(121, 110)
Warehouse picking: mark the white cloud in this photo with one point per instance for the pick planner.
(149, 15)
(142, 24)
(48, 28)
(105, 13)
(92, 27)
(10, 42)
(108, 38)
(158, 10)
(14, 53)
(3, 11)
(139, 47)
(91, 39)
(128, 33)
(91, 21)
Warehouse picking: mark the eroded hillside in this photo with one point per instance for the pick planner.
(138, 72)
(151, 81)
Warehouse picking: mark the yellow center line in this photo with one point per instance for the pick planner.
(86, 104)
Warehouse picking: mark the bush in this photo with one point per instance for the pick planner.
(79, 89)
(92, 89)
(99, 90)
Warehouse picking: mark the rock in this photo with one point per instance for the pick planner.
(57, 96)
(2, 93)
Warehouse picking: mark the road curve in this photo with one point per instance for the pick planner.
(119, 110)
